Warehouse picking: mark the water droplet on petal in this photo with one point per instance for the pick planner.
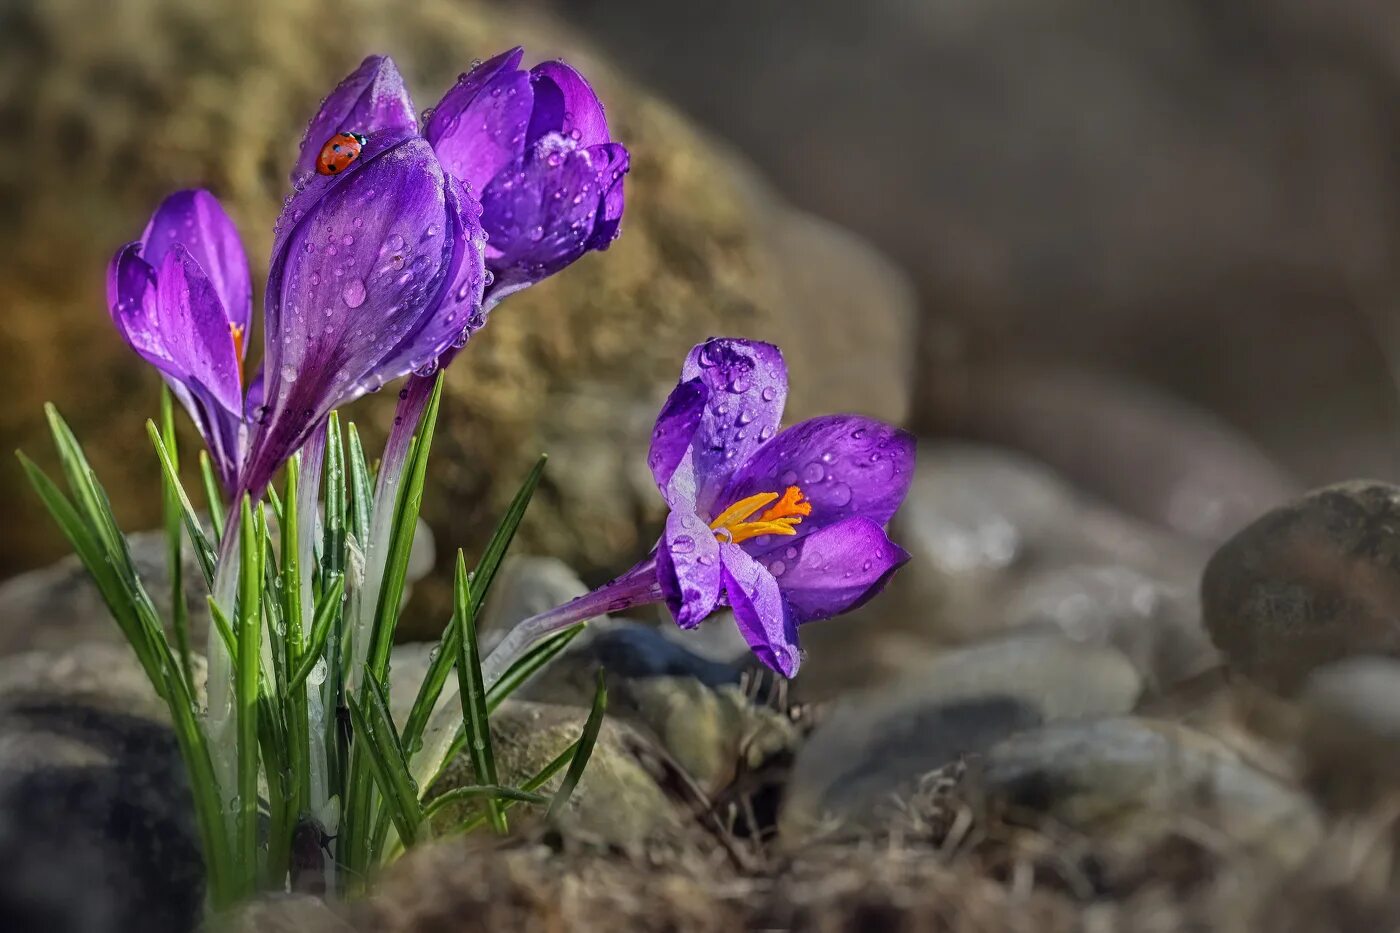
(683, 544)
(353, 293)
(813, 472)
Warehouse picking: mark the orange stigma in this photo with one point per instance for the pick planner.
(236, 330)
(781, 516)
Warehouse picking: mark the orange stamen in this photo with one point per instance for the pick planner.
(237, 331)
(786, 512)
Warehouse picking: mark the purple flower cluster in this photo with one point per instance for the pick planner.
(381, 269)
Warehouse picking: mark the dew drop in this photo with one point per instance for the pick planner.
(777, 568)
(683, 544)
(839, 495)
(769, 393)
(353, 293)
(813, 472)
(788, 478)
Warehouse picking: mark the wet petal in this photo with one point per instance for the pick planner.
(747, 384)
(845, 465)
(352, 278)
(195, 220)
(671, 439)
(760, 612)
(688, 568)
(565, 104)
(478, 128)
(370, 100)
(194, 330)
(131, 299)
(834, 569)
(609, 221)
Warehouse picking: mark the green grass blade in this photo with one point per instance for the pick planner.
(583, 750)
(320, 629)
(225, 630)
(476, 791)
(203, 550)
(248, 666)
(540, 779)
(374, 729)
(361, 488)
(213, 495)
(87, 498)
(540, 654)
(405, 526)
(450, 645)
(174, 542)
(473, 692)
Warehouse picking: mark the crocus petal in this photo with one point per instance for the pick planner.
(351, 279)
(194, 329)
(760, 611)
(370, 100)
(451, 317)
(131, 298)
(845, 465)
(541, 215)
(687, 566)
(834, 569)
(747, 385)
(609, 221)
(196, 221)
(478, 128)
(671, 438)
(565, 104)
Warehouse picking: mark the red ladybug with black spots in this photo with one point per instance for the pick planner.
(338, 152)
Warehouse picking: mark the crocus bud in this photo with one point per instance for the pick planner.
(534, 147)
(181, 296)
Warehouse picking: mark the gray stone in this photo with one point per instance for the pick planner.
(1352, 729)
(1311, 582)
(874, 748)
(619, 800)
(1135, 780)
(93, 798)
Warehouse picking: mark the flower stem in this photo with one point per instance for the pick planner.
(636, 587)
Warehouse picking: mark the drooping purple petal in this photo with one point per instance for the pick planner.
(747, 385)
(760, 611)
(671, 438)
(370, 100)
(131, 299)
(478, 128)
(688, 568)
(195, 220)
(351, 279)
(833, 569)
(845, 465)
(565, 104)
(195, 331)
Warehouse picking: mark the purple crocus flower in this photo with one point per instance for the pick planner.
(784, 527)
(535, 147)
(181, 296)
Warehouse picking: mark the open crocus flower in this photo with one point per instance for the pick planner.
(181, 297)
(785, 527)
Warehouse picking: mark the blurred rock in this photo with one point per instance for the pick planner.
(874, 748)
(618, 802)
(1202, 197)
(1135, 780)
(1353, 734)
(59, 606)
(112, 109)
(284, 913)
(1309, 583)
(525, 586)
(1000, 542)
(97, 831)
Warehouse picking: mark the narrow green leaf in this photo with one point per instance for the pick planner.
(473, 692)
(203, 550)
(248, 666)
(476, 791)
(583, 750)
(405, 526)
(320, 629)
(448, 648)
(213, 495)
(390, 774)
(361, 488)
(540, 779)
(221, 623)
(275, 501)
(333, 549)
(540, 654)
(174, 542)
(90, 502)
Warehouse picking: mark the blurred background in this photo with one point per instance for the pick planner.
(1150, 249)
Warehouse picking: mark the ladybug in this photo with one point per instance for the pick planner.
(338, 152)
